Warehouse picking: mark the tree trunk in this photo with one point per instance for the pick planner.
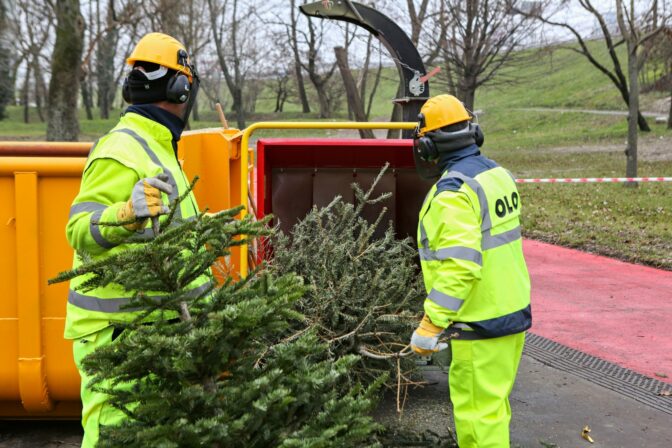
(396, 115)
(376, 82)
(86, 95)
(467, 93)
(63, 123)
(194, 112)
(641, 121)
(38, 95)
(25, 94)
(631, 152)
(322, 98)
(669, 116)
(280, 94)
(6, 77)
(301, 88)
(353, 96)
(238, 107)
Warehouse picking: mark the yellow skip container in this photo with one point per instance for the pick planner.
(38, 182)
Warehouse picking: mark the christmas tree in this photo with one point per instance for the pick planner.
(238, 368)
(364, 294)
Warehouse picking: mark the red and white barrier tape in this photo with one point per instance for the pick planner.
(583, 180)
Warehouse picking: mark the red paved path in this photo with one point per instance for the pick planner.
(617, 311)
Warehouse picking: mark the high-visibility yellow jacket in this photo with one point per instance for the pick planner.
(136, 148)
(471, 250)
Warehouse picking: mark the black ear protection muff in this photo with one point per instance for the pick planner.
(179, 88)
(423, 145)
(479, 137)
(428, 146)
(126, 91)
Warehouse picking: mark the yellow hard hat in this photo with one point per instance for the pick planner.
(161, 49)
(440, 111)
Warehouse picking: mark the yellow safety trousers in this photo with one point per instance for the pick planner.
(96, 409)
(482, 373)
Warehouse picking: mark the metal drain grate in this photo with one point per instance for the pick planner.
(624, 381)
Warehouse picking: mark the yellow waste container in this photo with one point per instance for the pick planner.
(38, 182)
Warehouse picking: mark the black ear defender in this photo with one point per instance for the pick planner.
(179, 88)
(126, 91)
(424, 147)
(479, 137)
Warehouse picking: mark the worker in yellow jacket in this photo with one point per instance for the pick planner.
(478, 288)
(131, 175)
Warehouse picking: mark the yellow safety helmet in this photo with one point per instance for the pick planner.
(162, 49)
(440, 111)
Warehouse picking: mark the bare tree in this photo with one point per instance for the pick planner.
(636, 30)
(352, 93)
(31, 28)
(319, 72)
(666, 52)
(234, 31)
(293, 40)
(481, 36)
(211, 82)
(85, 83)
(615, 73)
(163, 15)
(194, 33)
(281, 76)
(6, 80)
(108, 39)
(63, 123)
(367, 102)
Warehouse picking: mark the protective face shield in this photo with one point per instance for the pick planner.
(193, 93)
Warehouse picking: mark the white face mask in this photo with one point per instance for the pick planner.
(153, 75)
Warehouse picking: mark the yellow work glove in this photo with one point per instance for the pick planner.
(145, 202)
(425, 339)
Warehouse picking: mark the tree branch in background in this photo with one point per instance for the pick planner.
(477, 39)
(351, 91)
(615, 73)
(63, 121)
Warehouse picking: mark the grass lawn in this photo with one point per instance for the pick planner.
(633, 224)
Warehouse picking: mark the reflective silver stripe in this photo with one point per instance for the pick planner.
(488, 241)
(444, 300)
(423, 236)
(461, 325)
(120, 304)
(94, 228)
(457, 252)
(492, 241)
(85, 207)
(152, 155)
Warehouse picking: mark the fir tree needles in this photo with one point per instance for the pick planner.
(224, 374)
(363, 294)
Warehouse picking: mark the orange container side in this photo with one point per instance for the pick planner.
(38, 182)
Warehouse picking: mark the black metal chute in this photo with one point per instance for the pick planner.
(405, 55)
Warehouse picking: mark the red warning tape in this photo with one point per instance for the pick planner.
(583, 180)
